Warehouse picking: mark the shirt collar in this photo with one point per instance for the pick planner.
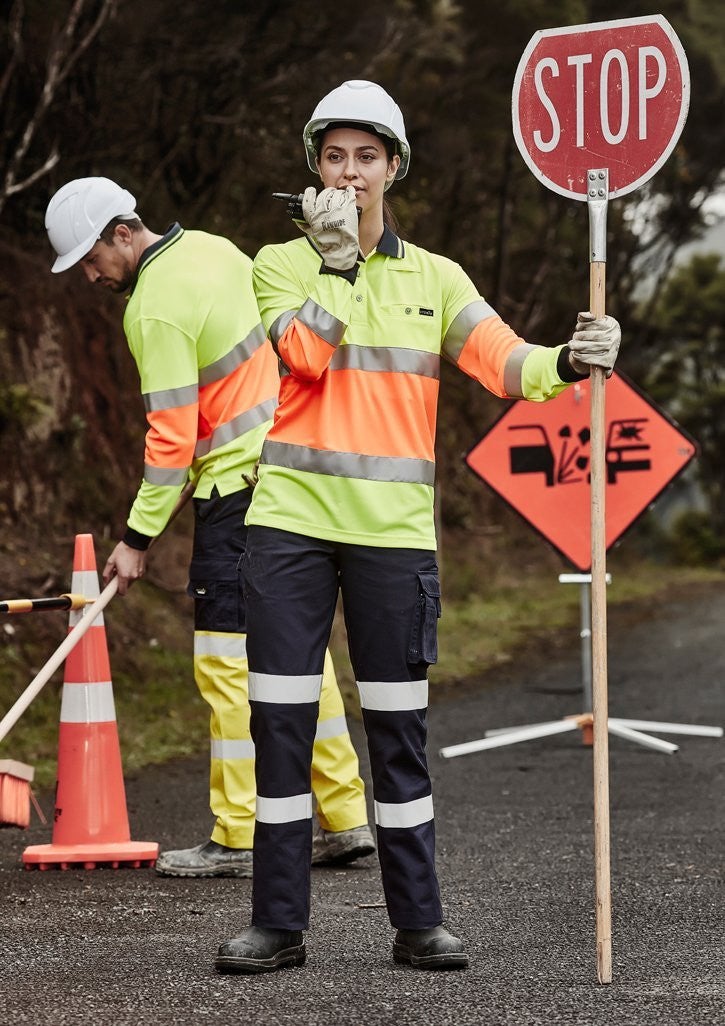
(390, 245)
(173, 234)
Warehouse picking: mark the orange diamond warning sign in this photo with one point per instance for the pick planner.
(536, 457)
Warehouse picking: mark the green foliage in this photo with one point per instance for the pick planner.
(688, 374)
(696, 540)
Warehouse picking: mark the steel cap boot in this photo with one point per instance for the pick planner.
(435, 948)
(261, 950)
(209, 859)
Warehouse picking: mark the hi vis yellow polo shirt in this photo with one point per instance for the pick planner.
(350, 456)
(209, 376)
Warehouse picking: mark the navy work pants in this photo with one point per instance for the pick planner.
(391, 604)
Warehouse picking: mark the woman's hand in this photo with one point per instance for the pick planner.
(331, 223)
(595, 343)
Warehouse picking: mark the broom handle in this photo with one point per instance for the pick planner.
(67, 645)
(74, 636)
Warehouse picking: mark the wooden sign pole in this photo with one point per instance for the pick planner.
(597, 196)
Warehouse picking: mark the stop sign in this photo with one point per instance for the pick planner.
(606, 95)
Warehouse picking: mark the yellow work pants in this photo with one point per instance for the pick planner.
(220, 669)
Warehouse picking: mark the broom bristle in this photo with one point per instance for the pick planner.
(15, 778)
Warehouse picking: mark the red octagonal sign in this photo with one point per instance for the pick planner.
(536, 456)
(606, 95)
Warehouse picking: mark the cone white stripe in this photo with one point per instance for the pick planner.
(395, 696)
(232, 749)
(404, 814)
(87, 703)
(284, 810)
(284, 690)
(84, 582)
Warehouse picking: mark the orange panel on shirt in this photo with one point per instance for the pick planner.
(171, 436)
(378, 413)
(486, 351)
(251, 383)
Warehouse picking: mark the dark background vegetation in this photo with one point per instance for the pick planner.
(197, 108)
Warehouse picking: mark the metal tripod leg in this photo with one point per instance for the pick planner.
(630, 730)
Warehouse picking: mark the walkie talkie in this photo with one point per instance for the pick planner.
(294, 204)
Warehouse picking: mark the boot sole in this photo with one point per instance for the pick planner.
(344, 857)
(446, 960)
(242, 873)
(282, 960)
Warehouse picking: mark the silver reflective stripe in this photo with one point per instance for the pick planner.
(234, 358)
(165, 475)
(87, 703)
(404, 814)
(335, 727)
(169, 398)
(317, 319)
(232, 749)
(386, 358)
(463, 325)
(284, 810)
(384, 696)
(512, 371)
(348, 464)
(278, 327)
(221, 646)
(236, 427)
(274, 688)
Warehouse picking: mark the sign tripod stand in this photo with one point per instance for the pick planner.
(628, 729)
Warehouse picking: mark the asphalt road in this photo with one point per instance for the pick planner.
(515, 861)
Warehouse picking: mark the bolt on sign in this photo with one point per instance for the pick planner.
(537, 458)
(619, 90)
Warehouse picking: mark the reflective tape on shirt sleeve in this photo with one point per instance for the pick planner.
(404, 469)
(170, 398)
(334, 727)
(241, 749)
(236, 427)
(384, 696)
(386, 358)
(165, 475)
(284, 690)
(222, 646)
(404, 814)
(512, 371)
(284, 810)
(280, 325)
(317, 319)
(463, 325)
(234, 358)
(87, 703)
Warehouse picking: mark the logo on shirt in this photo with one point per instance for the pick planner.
(425, 311)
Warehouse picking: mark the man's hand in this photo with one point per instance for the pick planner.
(595, 343)
(331, 223)
(126, 564)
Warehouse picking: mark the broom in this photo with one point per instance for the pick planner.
(15, 777)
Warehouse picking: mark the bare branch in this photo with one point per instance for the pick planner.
(64, 53)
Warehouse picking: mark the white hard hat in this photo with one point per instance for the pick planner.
(362, 102)
(79, 212)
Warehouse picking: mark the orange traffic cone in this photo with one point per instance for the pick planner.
(91, 821)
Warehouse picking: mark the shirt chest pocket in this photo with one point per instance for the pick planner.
(414, 323)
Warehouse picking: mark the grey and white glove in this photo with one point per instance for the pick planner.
(595, 343)
(331, 222)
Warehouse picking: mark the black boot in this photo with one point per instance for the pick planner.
(260, 950)
(435, 948)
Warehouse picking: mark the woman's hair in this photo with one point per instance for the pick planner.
(391, 148)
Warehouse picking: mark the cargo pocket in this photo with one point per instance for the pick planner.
(423, 647)
(218, 606)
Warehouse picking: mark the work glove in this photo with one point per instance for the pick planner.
(595, 342)
(331, 224)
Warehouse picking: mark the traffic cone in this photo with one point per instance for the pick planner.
(91, 821)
